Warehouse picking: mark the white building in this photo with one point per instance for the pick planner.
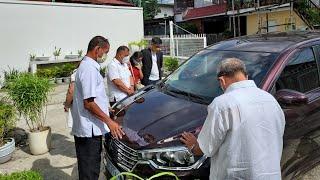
(37, 27)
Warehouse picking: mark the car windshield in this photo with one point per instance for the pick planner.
(196, 79)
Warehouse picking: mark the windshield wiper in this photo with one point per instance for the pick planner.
(190, 96)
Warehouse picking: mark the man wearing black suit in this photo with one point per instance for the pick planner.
(152, 62)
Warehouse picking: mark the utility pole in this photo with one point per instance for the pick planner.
(291, 15)
(165, 27)
(259, 21)
(165, 24)
(171, 40)
(234, 20)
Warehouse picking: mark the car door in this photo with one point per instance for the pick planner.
(302, 134)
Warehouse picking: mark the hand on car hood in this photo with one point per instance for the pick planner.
(158, 117)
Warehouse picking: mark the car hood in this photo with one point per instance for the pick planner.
(156, 117)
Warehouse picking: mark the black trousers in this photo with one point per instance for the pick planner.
(88, 150)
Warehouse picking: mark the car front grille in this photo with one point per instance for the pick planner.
(124, 156)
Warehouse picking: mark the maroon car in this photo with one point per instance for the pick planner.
(284, 64)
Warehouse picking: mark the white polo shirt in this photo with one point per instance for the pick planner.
(88, 84)
(117, 70)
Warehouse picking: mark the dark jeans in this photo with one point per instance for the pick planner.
(88, 152)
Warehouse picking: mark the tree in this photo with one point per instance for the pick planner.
(150, 8)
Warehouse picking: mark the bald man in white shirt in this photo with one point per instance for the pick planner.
(243, 131)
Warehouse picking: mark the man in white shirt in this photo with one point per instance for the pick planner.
(152, 62)
(243, 131)
(120, 81)
(90, 111)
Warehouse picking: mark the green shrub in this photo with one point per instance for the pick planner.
(171, 63)
(314, 16)
(58, 71)
(67, 69)
(9, 75)
(311, 14)
(140, 44)
(7, 118)
(46, 73)
(24, 175)
(29, 94)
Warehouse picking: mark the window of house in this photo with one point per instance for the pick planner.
(272, 26)
(289, 24)
(269, 26)
(207, 2)
(301, 74)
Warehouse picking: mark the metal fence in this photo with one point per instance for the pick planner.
(184, 45)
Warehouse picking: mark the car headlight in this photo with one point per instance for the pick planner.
(169, 157)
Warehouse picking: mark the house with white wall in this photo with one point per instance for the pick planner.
(37, 27)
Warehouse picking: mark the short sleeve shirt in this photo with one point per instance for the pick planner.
(88, 84)
(117, 70)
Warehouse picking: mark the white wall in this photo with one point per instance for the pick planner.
(165, 9)
(32, 27)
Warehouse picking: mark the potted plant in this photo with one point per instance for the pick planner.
(56, 53)
(29, 94)
(80, 53)
(58, 74)
(71, 56)
(7, 122)
(42, 58)
(9, 75)
(67, 70)
(47, 73)
(32, 56)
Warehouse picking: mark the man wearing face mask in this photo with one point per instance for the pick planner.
(152, 62)
(243, 131)
(120, 81)
(90, 111)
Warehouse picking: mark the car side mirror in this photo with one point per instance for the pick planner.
(291, 97)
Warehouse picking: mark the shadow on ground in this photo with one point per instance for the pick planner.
(44, 167)
(60, 145)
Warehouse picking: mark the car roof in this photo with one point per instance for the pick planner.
(271, 42)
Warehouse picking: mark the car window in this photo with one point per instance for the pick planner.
(301, 74)
(198, 75)
(317, 51)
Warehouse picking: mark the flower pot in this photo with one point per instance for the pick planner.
(66, 80)
(40, 142)
(71, 56)
(6, 151)
(59, 80)
(56, 58)
(42, 58)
